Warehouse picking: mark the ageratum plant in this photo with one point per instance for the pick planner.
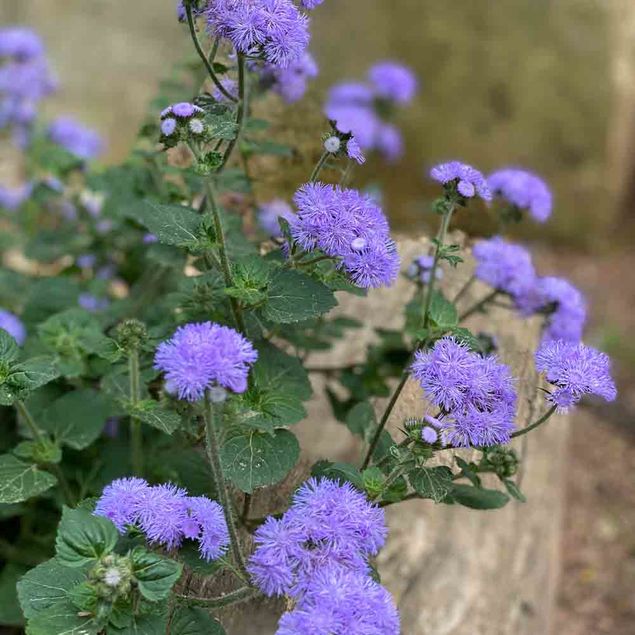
(154, 343)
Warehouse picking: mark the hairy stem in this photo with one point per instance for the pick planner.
(481, 304)
(212, 415)
(464, 289)
(201, 53)
(222, 249)
(136, 434)
(233, 597)
(318, 167)
(241, 116)
(536, 423)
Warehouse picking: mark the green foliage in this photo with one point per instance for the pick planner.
(154, 574)
(20, 481)
(256, 459)
(432, 482)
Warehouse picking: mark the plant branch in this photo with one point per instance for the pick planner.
(201, 53)
(478, 306)
(536, 423)
(233, 597)
(318, 167)
(213, 455)
(241, 115)
(136, 434)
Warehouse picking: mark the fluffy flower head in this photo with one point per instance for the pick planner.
(523, 189)
(575, 370)
(13, 326)
(205, 354)
(77, 139)
(393, 81)
(469, 181)
(269, 213)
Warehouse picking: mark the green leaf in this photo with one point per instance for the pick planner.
(478, 498)
(276, 369)
(78, 418)
(469, 470)
(62, 619)
(465, 335)
(160, 418)
(9, 349)
(191, 558)
(33, 373)
(20, 481)
(40, 451)
(431, 482)
(222, 126)
(82, 538)
(342, 472)
(148, 624)
(514, 490)
(155, 574)
(294, 297)
(361, 419)
(194, 621)
(10, 613)
(442, 312)
(46, 586)
(171, 224)
(256, 459)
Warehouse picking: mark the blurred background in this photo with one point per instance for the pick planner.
(544, 84)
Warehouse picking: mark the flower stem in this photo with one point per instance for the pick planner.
(53, 468)
(443, 229)
(234, 597)
(464, 289)
(478, 306)
(318, 167)
(201, 53)
(222, 249)
(535, 424)
(136, 434)
(212, 412)
(241, 116)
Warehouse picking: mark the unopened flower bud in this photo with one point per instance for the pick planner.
(332, 144)
(357, 244)
(131, 334)
(196, 126)
(217, 394)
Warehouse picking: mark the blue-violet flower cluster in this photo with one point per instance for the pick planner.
(524, 190)
(166, 515)
(317, 553)
(13, 326)
(290, 82)
(575, 370)
(274, 30)
(79, 140)
(204, 355)
(269, 213)
(476, 394)
(468, 180)
(350, 226)
(359, 108)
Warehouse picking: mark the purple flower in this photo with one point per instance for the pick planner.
(354, 152)
(269, 213)
(86, 261)
(358, 120)
(166, 515)
(12, 198)
(347, 225)
(13, 326)
(168, 127)
(389, 142)
(564, 302)
(575, 370)
(149, 239)
(504, 266)
(342, 602)
(327, 524)
(523, 189)
(93, 202)
(230, 85)
(207, 524)
(273, 29)
(469, 181)
(290, 82)
(199, 356)
(76, 138)
(429, 435)
(122, 500)
(311, 4)
(476, 394)
(393, 81)
(182, 110)
(162, 514)
(20, 43)
(422, 268)
(92, 303)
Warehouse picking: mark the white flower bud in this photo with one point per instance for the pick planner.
(357, 244)
(332, 145)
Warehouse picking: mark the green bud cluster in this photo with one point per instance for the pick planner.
(131, 335)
